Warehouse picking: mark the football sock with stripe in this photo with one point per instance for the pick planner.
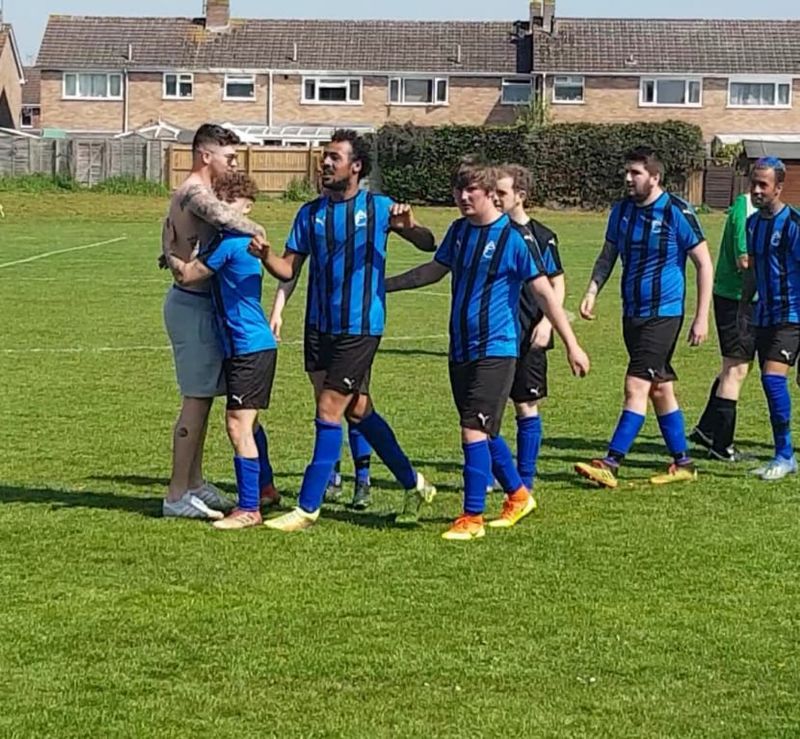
(382, 439)
(776, 388)
(477, 470)
(529, 441)
(265, 475)
(327, 445)
(674, 433)
(361, 451)
(628, 428)
(247, 475)
(503, 467)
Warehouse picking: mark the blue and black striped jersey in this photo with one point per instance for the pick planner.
(488, 266)
(774, 246)
(653, 242)
(346, 244)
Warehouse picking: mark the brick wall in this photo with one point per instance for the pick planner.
(616, 100)
(77, 115)
(9, 82)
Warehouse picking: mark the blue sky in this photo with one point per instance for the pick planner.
(30, 16)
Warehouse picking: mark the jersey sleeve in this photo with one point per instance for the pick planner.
(738, 217)
(217, 253)
(612, 229)
(445, 253)
(553, 258)
(526, 264)
(750, 230)
(794, 233)
(688, 230)
(298, 239)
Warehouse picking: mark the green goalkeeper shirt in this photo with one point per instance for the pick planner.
(728, 277)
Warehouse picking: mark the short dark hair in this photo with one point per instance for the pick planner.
(234, 185)
(482, 176)
(775, 164)
(648, 157)
(210, 133)
(359, 145)
(521, 176)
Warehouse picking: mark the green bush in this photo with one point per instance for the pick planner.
(573, 164)
(130, 186)
(300, 190)
(35, 183)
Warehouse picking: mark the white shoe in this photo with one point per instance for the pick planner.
(214, 498)
(189, 506)
(779, 468)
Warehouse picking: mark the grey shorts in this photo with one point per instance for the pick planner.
(189, 320)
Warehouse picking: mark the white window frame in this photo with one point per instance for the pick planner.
(508, 82)
(755, 79)
(573, 83)
(29, 109)
(78, 96)
(655, 79)
(425, 78)
(179, 77)
(343, 82)
(239, 79)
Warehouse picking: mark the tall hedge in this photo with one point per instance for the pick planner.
(573, 164)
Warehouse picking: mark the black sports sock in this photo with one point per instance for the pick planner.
(726, 424)
(708, 421)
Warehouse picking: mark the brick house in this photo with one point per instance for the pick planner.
(114, 74)
(31, 101)
(12, 77)
(733, 78)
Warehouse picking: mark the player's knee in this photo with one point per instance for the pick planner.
(359, 408)
(236, 428)
(737, 372)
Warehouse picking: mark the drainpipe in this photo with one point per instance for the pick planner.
(269, 99)
(125, 101)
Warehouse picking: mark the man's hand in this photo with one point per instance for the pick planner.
(402, 217)
(259, 247)
(542, 333)
(698, 333)
(578, 361)
(587, 307)
(275, 324)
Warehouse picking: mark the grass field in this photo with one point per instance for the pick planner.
(643, 612)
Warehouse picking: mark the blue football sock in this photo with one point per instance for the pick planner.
(382, 439)
(265, 476)
(776, 388)
(673, 430)
(361, 451)
(503, 467)
(326, 451)
(529, 441)
(628, 428)
(477, 469)
(247, 473)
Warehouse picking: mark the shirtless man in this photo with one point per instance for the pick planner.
(195, 217)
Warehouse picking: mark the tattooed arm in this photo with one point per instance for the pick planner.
(201, 202)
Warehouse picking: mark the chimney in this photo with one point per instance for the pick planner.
(543, 13)
(218, 15)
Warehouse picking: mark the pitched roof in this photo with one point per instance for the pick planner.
(7, 37)
(31, 89)
(83, 42)
(587, 45)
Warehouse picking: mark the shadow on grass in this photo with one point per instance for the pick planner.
(413, 352)
(149, 507)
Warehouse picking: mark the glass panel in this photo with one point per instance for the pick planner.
(333, 94)
(170, 85)
(694, 92)
(649, 91)
(355, 90)
(115, 85)
(239, 88)
(310, 90)
(418, 91)
(441, 91)
(186, 86)
(783, 94)
(753, 93)
(517, 92)
(671, 92)
(394, 91)
(70, 85)
(568, 89)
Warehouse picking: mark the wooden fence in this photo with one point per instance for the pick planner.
(272, 167)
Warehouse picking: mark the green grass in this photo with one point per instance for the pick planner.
(641, 612)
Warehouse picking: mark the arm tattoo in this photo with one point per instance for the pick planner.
(201, 202)
(604, 265)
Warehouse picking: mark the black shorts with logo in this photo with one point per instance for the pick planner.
(733, 343)
(481, 389)
(651, 343)
(530, 376)
(778, 343)
(249, 379)
(345, 359)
